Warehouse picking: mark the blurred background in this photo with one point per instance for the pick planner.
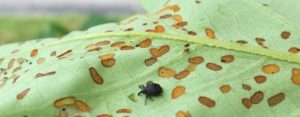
(22, 20)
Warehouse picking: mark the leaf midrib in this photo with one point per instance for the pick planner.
(276, 54)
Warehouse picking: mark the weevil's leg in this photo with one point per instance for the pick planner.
(140, 93)
(141, 86)
(146, 100)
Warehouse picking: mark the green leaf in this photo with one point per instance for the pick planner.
(212, 58)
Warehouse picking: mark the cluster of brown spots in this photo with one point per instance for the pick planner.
(242, 41)
(271, 69)
(97, 78)
(225, 88)
(276, 99)
(34, 52)
(183, 114)
(127, 48)
(104, 115)
(260, 41)
(23, 94)
(182, 74)
(156, 52)
(256, 98)
(65, 54)
(210, 33)
(59, 103)
(166, 16)
(246, 87)
(294, 50)
(117, 44)
(207, 101)
(213, 66)
(285, 35)
(296, 76)
(260, 79)
(108, 60)
(174, 8)
(39, 75)
(227, 58)
(124, 110)
(129, 29)
(178, 91)
(166, 72)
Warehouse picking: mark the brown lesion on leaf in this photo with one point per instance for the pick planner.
(34, 52)
(294, 50)
(246, 87)
(71, 101)
(295, 76)
(23, 94)
(276, 99)
(210, 33)
(285, 35)
(257, 97)
(166, 72)
(183, 114)
(227, 58)
(65, 54)
(260, 79)
(145, 43)
(39, 75)
(271, 69)
(260, 41)
(182, 74)
(208, 102)
(225, 88)
(247, 103)
(97, 78)
(166, 16)
(213, 66)
(124, 110)
(126, 47)
(102, 43)
(241, 42)
(108, 60)
(104, 115)
(178, 91)
(118, 44)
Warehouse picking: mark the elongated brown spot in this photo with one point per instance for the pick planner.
(82, 106)
(276, 99)
(150, 61)
(285, 35)
(65, 54)
(127, 48)
(124, 110)
(164, 49)
(210, 33)
(225, 88)
(53, 53)
(129, 29)
(165, 16)
(34, 52)
(207, 101)
(182, 74)
(213, 66)
(11, 64)
(104, 115)
(227, 58)
(166, 72)
(144, 44)
(247, 103)
(39, 75)
(64, 101)
(242, 41)
(294, 50)
(271, 69)
(23, 94)
(97, 78)
(175, 8)
(260, 79)
(257, 97)
(178, 91)
(117, 44)
(196, 60)
(101, 43)
(192, 33)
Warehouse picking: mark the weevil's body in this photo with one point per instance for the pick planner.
(151, 89)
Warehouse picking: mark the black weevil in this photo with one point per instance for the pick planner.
(151, 89)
